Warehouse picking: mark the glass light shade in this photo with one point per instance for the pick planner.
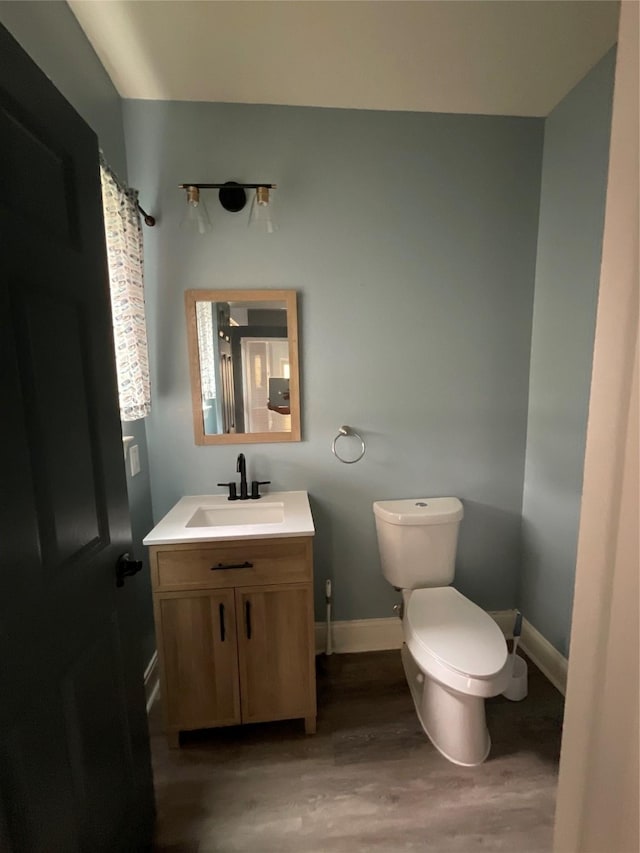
(196, 215)
(260, 217)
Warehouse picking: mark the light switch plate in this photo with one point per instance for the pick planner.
(134, 459)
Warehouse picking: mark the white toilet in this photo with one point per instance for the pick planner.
(454, 654)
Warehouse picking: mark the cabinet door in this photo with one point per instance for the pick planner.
(276, 652)
(197, 641)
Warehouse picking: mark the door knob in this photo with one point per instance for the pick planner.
(125, 567)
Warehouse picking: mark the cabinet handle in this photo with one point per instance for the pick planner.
(245, 565)
(222, 630)
(247, 618)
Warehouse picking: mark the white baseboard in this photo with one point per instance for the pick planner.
(361, 635)
(545, 656)
(151, 681)
(374, 635)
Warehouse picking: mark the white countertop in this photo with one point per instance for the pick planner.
(173, 529)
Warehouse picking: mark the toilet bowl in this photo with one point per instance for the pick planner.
(454, 655)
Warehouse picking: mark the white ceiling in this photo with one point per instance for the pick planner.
(495, 57)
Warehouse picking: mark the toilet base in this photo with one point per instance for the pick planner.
(455, 723)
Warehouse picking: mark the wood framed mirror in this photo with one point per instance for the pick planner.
(243, 363)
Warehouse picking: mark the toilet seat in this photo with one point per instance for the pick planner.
(455, 641)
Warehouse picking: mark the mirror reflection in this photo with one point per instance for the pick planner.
(244, 369)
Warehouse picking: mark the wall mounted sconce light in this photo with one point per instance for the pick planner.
(196, 215)
(260, 215)
(233, 198)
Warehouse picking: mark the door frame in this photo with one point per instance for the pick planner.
(598, 783)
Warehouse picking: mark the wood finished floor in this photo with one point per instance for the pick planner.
(369, 780)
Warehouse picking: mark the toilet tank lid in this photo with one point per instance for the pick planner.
(419, 510)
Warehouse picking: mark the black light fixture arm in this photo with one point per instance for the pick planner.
(226, 185)
(231, 194)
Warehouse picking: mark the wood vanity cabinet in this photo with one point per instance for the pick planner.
(235, 632)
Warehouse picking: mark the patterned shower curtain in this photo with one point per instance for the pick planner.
(124, 254)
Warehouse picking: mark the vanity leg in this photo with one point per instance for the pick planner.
(310, 725)
(173, 740)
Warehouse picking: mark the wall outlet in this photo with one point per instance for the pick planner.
(134, 459)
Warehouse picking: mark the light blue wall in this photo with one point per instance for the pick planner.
(411, 241)
(50, 34)
(574, 176)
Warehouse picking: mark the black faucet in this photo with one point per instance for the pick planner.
(241, 468)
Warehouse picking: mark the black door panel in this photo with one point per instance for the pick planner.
(74, 755)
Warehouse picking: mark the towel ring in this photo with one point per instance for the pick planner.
(346, 430)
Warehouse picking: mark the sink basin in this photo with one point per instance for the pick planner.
(233, 514)
(206, 518)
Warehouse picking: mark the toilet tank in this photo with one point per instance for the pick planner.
(417, 540)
